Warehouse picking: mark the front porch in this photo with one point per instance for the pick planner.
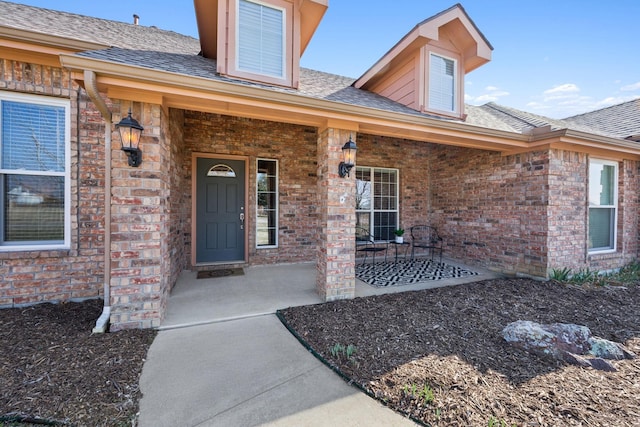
(264, 289)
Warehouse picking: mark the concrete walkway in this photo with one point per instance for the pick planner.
(222, 358)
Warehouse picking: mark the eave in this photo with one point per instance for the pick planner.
(39, 48)
(172, 90)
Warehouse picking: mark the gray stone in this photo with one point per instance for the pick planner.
(570, 343)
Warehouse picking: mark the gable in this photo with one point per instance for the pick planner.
(405, 73)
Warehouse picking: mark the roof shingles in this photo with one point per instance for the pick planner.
(170, 52)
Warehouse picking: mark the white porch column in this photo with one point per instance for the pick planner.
(336, 204)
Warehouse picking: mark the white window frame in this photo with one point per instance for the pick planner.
(283, 46)
(455, 88)
(66, 242)
(614, 206)
(277, 203)
(372, 210)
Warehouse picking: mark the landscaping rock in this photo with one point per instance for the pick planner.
(570, 343)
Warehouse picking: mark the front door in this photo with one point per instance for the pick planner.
(220, 210)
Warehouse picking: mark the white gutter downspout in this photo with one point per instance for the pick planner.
(91, 86)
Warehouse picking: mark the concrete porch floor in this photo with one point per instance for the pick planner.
(264, 289)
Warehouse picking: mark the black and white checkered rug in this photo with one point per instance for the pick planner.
(407, 272)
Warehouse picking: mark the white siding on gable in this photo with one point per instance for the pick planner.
(261, 34)
(442, 83)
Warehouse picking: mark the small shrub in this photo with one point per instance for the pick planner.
(340, 351)
(424, 393)
(562, 275)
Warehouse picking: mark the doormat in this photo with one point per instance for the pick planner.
(225, 272)
(406, 272)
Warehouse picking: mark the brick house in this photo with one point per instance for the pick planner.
(241, 150)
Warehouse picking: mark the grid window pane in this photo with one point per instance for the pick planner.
(380, 215)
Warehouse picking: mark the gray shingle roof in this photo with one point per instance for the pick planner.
(524, 122)
(620, 121)
(95, 30)
(167, 51)
(315, 84)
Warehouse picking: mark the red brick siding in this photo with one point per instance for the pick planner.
(40, 276)
(492, 210)
(142, 275)
(336, 245)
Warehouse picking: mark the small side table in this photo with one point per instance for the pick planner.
(396, 245)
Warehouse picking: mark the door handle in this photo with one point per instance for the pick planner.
(242, 217)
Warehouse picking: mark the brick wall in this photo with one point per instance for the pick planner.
(295, 149)
(491, 209)
(412, 159)
(39, 276)
(141, 273)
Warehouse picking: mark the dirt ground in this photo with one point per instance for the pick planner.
(439, 357)
(53, 371)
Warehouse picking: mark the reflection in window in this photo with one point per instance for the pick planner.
(34, 187)
(377, 201)
(603, 195)
(267, 204)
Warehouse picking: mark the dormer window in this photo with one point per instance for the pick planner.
(442, 83)
(261, 39)
(258, 40)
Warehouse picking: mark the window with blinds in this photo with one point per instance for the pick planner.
(442, 87)
(34, 145)
(603, 205)
(261, 34)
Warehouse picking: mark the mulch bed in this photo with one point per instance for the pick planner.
(54, 371)
(448, 341)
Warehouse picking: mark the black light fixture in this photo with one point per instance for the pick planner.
(130, 131)
(349, 158)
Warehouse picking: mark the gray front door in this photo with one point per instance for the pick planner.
(220, 212)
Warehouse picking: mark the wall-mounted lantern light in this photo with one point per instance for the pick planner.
(130, 131)
(348, 158)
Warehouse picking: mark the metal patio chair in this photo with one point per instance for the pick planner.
(426, 237)
(365, 243)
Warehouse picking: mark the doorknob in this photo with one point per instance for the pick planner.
(242, 217)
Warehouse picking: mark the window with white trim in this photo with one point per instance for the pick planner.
(442, 83)
(377, 201)
(261, 39)
(267, 204)
(603, 205)
(34, 172)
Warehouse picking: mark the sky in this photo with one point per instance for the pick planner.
(554, 58)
